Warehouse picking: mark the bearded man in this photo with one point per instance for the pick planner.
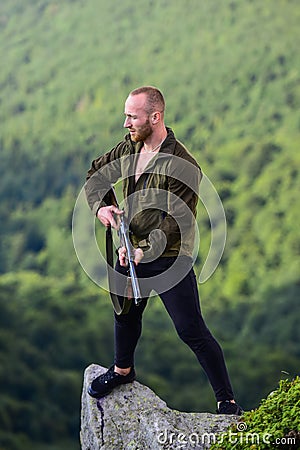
(160, 181)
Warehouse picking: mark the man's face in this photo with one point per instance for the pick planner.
(137, 120)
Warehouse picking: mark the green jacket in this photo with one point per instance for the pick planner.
(161, 206)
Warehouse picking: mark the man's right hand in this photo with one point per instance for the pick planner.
(106, 215)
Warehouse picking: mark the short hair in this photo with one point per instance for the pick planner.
(155, 99)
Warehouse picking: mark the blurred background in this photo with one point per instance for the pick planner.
(229, 70)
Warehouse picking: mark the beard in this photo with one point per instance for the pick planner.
(142, 132)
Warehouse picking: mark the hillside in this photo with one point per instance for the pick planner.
(230, 74)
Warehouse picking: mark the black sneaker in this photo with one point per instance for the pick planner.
(227, 407)
(106, 382)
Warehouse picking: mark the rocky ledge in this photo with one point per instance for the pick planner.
(132, 417)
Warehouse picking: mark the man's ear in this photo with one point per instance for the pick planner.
(155, 117)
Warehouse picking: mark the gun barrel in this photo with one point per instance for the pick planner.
(134, 283)
(126, 242)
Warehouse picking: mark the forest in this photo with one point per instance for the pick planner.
(230, 73)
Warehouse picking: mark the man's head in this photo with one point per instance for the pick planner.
(154, 99)
(144, 111)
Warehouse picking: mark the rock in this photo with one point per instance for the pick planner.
(132, 417)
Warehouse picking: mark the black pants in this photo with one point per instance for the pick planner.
(182, 304)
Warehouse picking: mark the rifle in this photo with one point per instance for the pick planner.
(125, 242)
(123, 233)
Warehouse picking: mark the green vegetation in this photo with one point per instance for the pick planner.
(230, 73)
(275, 424)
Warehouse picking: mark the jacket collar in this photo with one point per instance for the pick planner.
(168, 146)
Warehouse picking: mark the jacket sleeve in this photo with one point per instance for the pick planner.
(104, 171)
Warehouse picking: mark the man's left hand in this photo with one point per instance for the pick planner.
(138, 256)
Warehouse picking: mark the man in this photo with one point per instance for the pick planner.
(160, 184)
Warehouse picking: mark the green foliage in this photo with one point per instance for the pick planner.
(49, 333)
(274, 424)
(230, 74)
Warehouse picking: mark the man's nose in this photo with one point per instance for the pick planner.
(127, 123)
